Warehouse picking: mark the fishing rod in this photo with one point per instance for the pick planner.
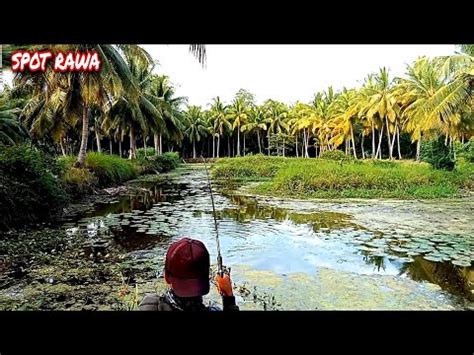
(220, 268)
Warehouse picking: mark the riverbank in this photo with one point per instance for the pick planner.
(36, 186)
(319, 178)
(366, 255)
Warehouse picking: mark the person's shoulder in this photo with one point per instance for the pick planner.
(151, 302)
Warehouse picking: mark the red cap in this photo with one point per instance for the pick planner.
(187, 268)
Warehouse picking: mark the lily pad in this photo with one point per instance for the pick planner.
(434, 258)
(462, 262)
(399, 249)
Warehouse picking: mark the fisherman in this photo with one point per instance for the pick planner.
(187, 275)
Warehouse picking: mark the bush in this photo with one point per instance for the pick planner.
(104, 170)
(141, 153)
(336, 155)
(78, 181)
(438, 154)
(29, 185)
(465, 150)
(159, 164)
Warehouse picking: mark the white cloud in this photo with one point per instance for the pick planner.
(283, 72)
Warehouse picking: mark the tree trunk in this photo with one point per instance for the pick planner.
(258, 141)
(373, 141)
(228, 146)
(268, 142)
(244, 146)
(133, 153)
(296, 145)
(213, 147)
(81, 158)
(110, 147)
(218, 144)
(362, 145)
(120, 149)
(161, 143)
(194, 149)
(353, 142)
(393, 138)
(238, 140)
(62, 147)
(398, 143)
(378, 155)
(155, 140)
(307, 144)
(389, 139)
(418, 148)
(97, 138)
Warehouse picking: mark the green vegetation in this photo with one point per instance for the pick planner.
(151, 163)
(319, 178)
(29, 185)
(425, 114)
(99, 170)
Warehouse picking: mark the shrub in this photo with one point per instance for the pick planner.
(29, 185)
(78, 181)
(336, 155)
(104, 170)
(159, 164)
(438, 154)
(141, 153)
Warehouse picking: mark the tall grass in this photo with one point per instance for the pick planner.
(325, 178)
(99, 170)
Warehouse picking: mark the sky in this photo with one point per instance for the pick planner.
(283, 72)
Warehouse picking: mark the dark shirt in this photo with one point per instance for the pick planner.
(170, 302)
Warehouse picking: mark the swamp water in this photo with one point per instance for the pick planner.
(284, 254)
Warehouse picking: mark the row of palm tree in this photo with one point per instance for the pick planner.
(433, 99)
(128, 99)
(125, 97)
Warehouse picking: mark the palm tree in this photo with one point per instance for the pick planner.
(220, 119)
(11, 130)
(238, 113)
(383, 104)
(345, 111)
(196, 127)
(276, 113)
(74, 93)
(169, 106)
(138, 114)
(256, 123)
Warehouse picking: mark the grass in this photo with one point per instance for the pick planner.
(319, 178)
(99, 170)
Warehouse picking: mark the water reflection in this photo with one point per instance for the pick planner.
(267, 237)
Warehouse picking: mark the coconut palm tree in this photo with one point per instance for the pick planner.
(195, 126)
(276, 114)
(220, 119)
(238, 113)
(383, 104)
(11, 130)
(256, 123)
(163, 97)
